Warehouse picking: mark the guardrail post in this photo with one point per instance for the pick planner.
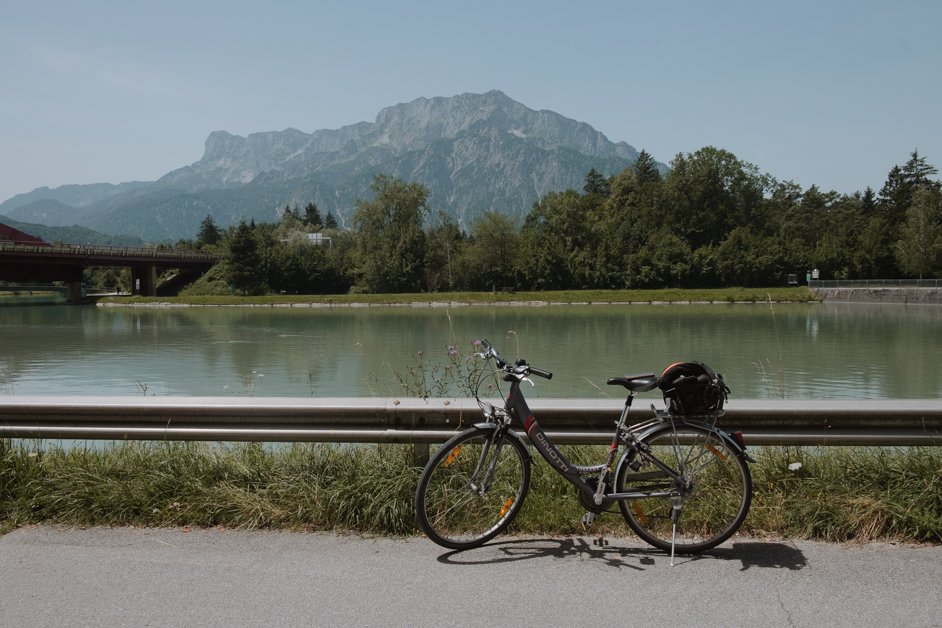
(420, 454)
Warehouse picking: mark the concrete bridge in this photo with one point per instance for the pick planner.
(38, 261)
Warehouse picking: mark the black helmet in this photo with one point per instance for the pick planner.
(692, 389)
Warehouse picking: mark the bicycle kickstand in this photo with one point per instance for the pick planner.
(675, 515)
(587, 520)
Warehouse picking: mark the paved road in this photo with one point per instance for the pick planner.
(135, 577)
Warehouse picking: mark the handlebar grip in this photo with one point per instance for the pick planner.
(541, 373)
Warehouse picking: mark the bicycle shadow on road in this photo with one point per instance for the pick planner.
(761, 554)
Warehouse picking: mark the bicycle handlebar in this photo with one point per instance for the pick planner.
(521, 369)
(540, 372)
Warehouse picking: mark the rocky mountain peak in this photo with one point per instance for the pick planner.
(475, 153)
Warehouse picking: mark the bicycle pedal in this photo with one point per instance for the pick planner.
(587, 519)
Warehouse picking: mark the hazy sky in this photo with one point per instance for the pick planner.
(824, 92)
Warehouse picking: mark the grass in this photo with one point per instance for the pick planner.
(722, 295)
(837, 494)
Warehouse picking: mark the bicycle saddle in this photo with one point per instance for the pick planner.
(642, 382)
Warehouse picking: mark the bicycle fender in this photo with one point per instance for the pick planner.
(729, 440)
(509, 432)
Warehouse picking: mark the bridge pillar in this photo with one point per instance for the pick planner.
(144, 280)
(76, 292)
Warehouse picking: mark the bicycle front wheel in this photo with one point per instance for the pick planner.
(472, 488)
(707, 502)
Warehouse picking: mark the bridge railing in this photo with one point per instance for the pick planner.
(893, 422)
(114, 251)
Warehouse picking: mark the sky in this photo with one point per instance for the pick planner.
(826, 92)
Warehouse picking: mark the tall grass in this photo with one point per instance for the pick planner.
(836, 494)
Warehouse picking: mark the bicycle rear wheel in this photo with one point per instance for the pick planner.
(472, 488)
(712, 496)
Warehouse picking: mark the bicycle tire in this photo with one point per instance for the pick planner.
(715, 494)
(449, 506)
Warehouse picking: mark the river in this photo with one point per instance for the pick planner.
(795, 351)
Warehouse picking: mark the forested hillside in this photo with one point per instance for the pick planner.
(712, 220)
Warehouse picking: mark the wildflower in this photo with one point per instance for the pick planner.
(452, 351)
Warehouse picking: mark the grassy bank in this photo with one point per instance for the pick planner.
(837, 494)
(719, 295)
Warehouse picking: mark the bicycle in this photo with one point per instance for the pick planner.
(681, 483)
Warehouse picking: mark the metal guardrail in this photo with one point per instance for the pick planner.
(407, 420)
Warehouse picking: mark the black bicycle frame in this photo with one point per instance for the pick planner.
(517, 405)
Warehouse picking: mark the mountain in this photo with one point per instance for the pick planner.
(74, 196)
(475, 153)
(70, 234)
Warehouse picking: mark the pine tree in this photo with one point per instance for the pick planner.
(896, 195)
(209, 233)
(312, 215)
(243, 260)
(595, 183)
(645, 168)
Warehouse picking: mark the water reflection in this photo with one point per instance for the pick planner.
(794, 351)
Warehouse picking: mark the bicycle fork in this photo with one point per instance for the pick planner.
(497, 442)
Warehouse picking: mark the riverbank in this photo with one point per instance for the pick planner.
(825, 493)
(459, 299)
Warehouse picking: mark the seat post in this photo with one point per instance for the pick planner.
(624, 413)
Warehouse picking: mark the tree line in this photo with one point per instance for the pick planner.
(711, 221)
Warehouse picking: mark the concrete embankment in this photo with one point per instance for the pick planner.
(881, 295)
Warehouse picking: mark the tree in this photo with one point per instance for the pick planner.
(664, 260)
(542, 260)
(489, 260)
(391, 240)
(243, 261)
(711, 192)
(330, 222)
(565, 223)
(630, 215)
(919, 247)
(595, 183)
(896, 196)
(312, 215)
(208, 234)
(645, 168)
(873, 256)
(291, 213)
(444, 244)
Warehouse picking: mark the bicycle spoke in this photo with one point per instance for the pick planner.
(472, 489)
(713, 490)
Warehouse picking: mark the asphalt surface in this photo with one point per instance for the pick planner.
(174, 577)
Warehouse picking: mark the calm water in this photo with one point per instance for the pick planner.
(815, 351)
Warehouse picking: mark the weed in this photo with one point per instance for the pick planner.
(831, 494)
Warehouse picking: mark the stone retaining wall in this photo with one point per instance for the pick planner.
(881, 295)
